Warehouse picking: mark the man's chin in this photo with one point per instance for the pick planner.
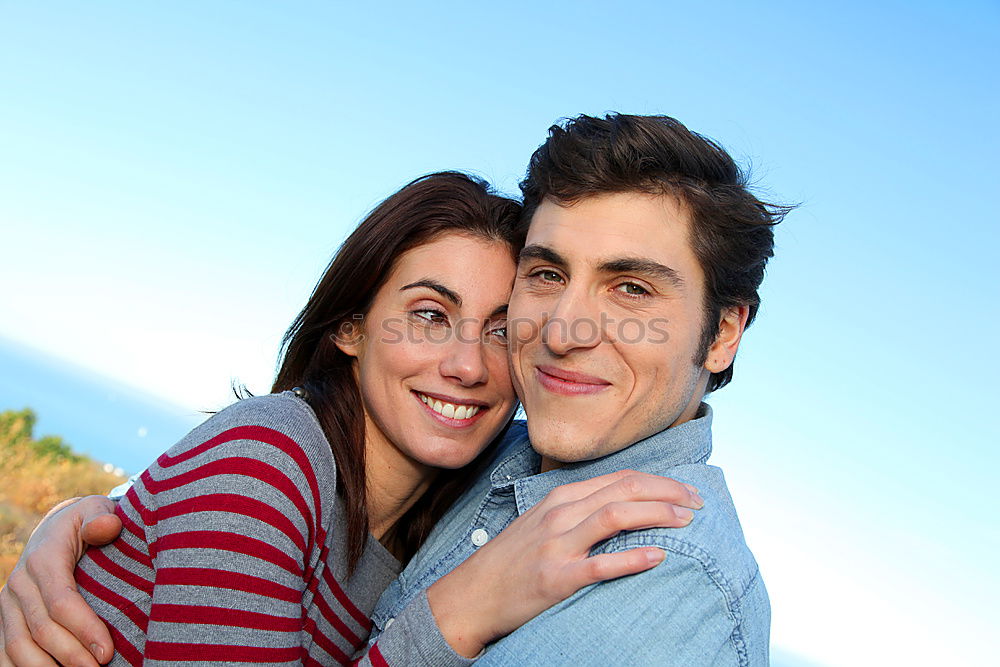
(560, 445)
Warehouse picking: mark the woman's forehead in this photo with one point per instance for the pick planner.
(479, 272)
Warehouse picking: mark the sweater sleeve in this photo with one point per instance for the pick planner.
(219, 543)
(413, 638)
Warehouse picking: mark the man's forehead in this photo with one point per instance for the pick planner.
(606, 229)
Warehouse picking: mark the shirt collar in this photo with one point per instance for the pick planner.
(690, 442)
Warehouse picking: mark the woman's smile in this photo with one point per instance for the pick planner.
(452, 412)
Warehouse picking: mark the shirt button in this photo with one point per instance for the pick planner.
(388, 623)
(480, 537)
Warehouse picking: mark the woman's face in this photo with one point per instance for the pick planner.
(432, 360)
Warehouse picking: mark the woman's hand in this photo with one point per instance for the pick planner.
(543, 557)
(43, 614)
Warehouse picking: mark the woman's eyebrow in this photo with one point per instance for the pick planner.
(447, 293)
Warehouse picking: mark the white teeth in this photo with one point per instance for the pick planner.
(450, 410)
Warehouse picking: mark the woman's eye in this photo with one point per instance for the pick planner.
(430, 315)
(500, 333)
(631, 289)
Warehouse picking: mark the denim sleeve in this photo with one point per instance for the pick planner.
(674, 614)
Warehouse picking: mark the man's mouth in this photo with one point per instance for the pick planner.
(569, 383)
(451, 408)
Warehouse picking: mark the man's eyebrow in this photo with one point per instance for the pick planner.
(437, 287)
(642, 267)
(543, 253)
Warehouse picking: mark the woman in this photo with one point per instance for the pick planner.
(269, 532)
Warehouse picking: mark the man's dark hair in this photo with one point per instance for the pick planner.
(731, 229)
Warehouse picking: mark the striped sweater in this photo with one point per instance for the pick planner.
(231, 554)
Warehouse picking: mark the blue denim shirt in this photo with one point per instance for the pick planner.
(705, 604)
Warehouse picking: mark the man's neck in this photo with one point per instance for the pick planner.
(550, 464)
(690, 413)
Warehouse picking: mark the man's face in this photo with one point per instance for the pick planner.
(606, 316)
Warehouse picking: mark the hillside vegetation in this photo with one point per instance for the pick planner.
(35, 474)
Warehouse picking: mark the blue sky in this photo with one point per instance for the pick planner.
(174, 177)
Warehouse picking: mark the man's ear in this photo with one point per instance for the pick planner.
(731, 325)
(349, 336)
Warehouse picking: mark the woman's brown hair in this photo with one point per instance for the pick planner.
(444, 202)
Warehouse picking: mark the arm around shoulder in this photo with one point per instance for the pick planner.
(681, 612)
(220, 536)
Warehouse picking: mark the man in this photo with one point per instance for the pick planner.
(644, 254)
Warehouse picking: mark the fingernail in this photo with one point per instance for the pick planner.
(97, 651)
(698, 500)
(655, 556)
(692, 488)
(684, 514)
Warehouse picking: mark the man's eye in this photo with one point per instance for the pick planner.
(548, 276)
(631, 289)
(431, 315)
(500, 333)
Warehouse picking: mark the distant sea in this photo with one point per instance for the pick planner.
(95, 415)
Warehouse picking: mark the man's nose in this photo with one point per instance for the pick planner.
(574, 324)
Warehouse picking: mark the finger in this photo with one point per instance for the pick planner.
(49, 604)
(567, 493)
(611, 566)
(99, 524)
(60, 620)
(641, 487)
(613, 518)
(45, 631)
(4, 660)
(625, 485)
(18, 645)
(101, 529)
(619, 476)
(76, 635)
(60, 506)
